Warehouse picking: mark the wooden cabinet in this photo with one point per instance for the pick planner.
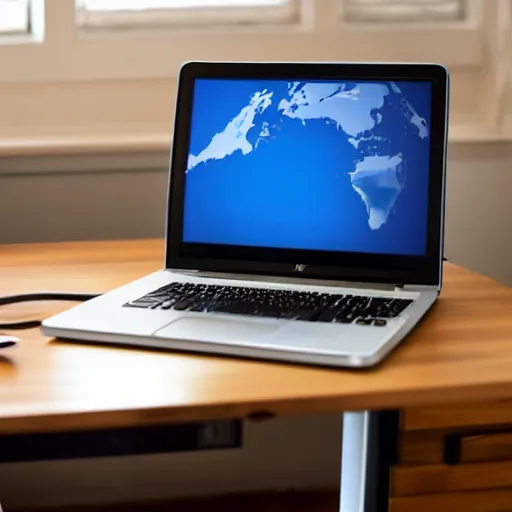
(454, 459)
(487, 447)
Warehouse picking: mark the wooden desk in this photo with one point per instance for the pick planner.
(462, 352)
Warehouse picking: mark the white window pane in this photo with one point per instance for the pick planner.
(141, 5)
(13, 16)
(402, 10)
(151, 13)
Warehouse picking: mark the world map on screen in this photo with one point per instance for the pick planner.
(301, 164)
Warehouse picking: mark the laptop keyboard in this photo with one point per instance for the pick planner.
(264, 302)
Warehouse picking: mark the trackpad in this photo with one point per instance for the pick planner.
(217, 330)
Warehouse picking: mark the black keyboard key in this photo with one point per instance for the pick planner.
(398, 305)
(182, 305)
(344, 319)
(316, 316)
(141, 304)
(328, 315)
(198, 306)
(209, 302)
(149, 299)
(380, 322)
(309, 315)
(289, 314)
(232, 307)
(160, 297)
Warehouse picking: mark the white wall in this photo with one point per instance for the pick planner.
(479, 209)
(74, 198)
(56, 200)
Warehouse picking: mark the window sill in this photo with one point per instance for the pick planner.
(124, 151)
(86, 143)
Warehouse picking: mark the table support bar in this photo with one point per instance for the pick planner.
(369, 449)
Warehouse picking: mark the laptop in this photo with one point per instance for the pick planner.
(304, 220)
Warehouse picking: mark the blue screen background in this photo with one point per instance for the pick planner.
(293, 189)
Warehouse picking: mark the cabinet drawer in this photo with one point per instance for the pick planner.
(437, 479)
(455, 446)
(454, 458)
(484, 448)
(455, 416)
(485, 501)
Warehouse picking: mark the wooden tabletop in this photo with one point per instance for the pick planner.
(462, 351)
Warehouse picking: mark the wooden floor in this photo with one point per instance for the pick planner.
(317, 501)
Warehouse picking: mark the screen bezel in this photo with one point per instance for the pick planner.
(364, 267)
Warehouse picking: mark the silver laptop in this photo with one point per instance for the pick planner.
(305, 216)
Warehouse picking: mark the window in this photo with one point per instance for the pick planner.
(102, 73)
(403, 10)
(14, 17)
(137, 13)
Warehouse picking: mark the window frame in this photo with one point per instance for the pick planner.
(173, 18)
(354, 18)
(57, 51)
(65, 89)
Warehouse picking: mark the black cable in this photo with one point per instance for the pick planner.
(31, 297)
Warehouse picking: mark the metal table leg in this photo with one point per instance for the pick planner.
(369, 450)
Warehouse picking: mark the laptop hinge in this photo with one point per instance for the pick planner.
(293, 280)
(416, 287)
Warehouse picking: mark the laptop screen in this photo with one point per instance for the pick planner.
(337, 166)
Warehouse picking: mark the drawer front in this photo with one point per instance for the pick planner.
(437, 479)
(487, 501)
(466, 415)
(485, 447)
(454, 458)
(454, 447)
